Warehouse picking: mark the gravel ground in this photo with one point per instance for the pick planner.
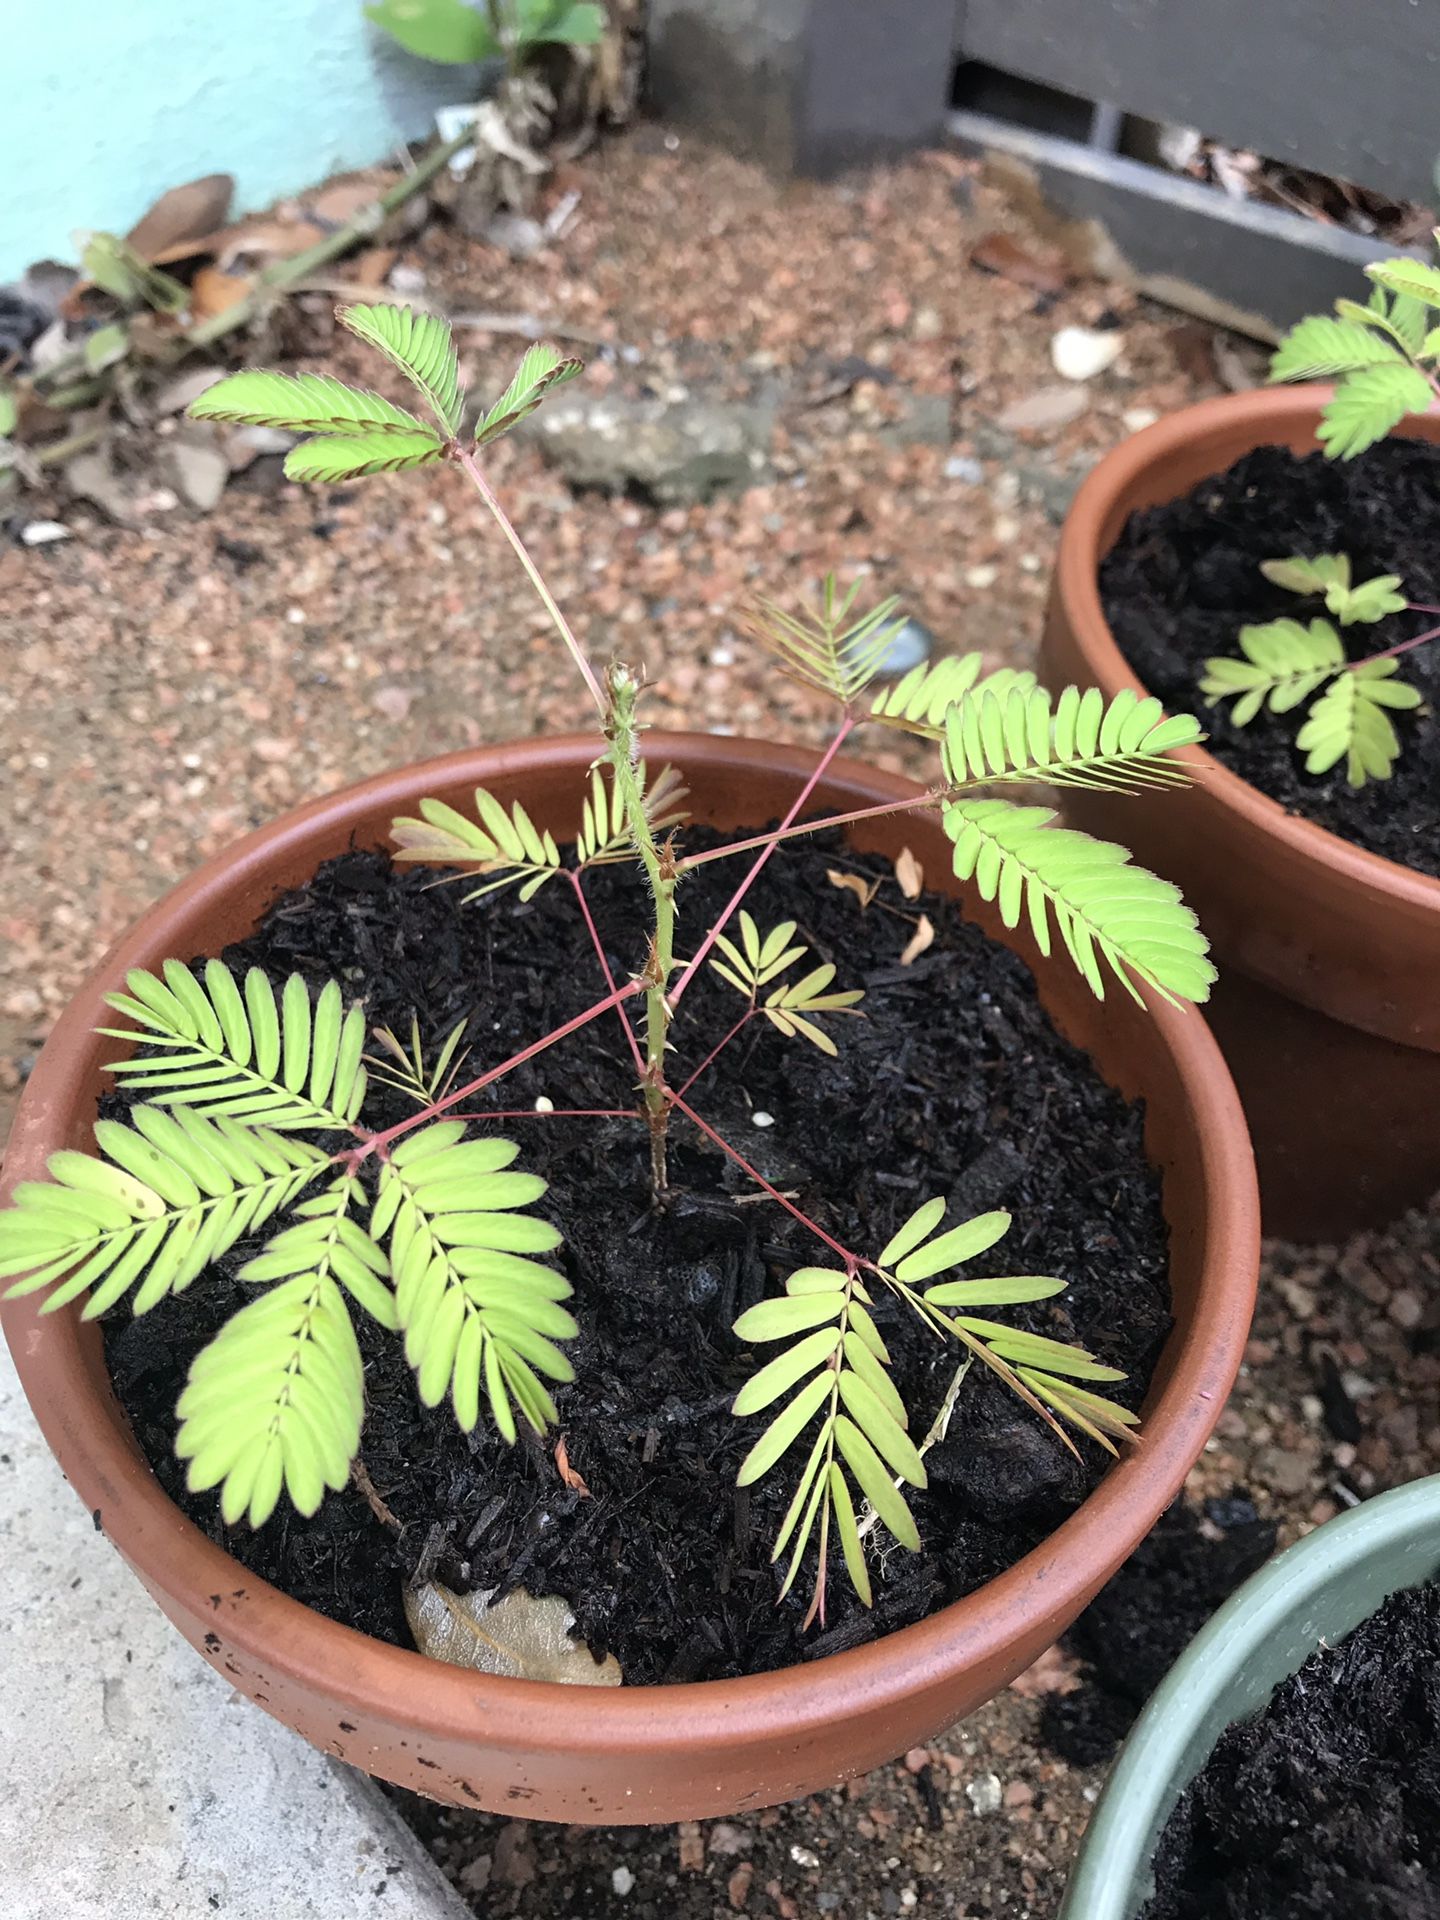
(170, 686)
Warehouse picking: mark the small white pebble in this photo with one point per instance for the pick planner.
(1079, 353)
(296, 616)
(985, 1792)
(804, 1857)
(622, 1880)
(984, 575)
(762, 1119)
(40, 533)
(1136, 419)
(544, 1104)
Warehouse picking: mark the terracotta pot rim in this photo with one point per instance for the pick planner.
(1272, 413)
(175, 1556)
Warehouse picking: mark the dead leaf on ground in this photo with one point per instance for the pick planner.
(574, 1481)
(519, 1638)
(337, 203)
(910, 874)
(252, 244)
(182, 220)
(368, 269)
(863, 890)
(213, 291)
(998, 253)
(923, 937)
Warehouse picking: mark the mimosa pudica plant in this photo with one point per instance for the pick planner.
(248, 1120)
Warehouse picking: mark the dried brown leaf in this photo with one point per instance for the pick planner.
(863, 890)
(910, 874)
(923, 937)
(182, 221)
(574, 1481)
(999, 254)
(212, 291)
(519, 1638)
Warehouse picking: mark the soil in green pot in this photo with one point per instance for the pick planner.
(1184, 577)
(954, 1083)
(1326, 1806)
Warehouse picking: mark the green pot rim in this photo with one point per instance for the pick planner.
(1318, 1589)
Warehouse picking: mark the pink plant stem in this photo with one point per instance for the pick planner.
(851, 1260)
(770, 841)
(379, 1142)
(555, 1113)
(562, 626)
(1405, 646)
(716, 1051)
(579, 891)
(809, 826)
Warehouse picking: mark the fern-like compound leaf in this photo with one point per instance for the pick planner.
(1329, 574)
(826, 650)
(1323, 348)
(1368, 404)
(275, 1401)
(791, 1008)
(212, 1046)
(542, 369)
(833, 1375)
(1284, 662)
(478, 1312)
(1349, 722)
(1105, 908)
(406, 1068)
(920, 699)
(504, 843)
(604, 833)
(1041, 1371)
(1080, 741)
(1413, 279)
(303, 403)
(172, 1193)
(421, 346)
(323, 1238)
(356, 456)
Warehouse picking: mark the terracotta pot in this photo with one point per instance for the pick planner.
(670, 1752)
(1327, 1007)
(1310, 1596)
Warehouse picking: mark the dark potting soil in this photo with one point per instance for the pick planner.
(1140, 1622)
(1183, 578)
(954, 1083)
(1326, 1806)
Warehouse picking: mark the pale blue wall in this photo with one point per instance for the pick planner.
(106, 103)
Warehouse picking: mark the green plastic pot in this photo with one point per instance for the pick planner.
(1318, 1590)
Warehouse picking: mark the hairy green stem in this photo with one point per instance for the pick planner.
(624, 741)
(562, 626)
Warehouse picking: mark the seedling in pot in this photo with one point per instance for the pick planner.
(1286, 662)
(252, 1102)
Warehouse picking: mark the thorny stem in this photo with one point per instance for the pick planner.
(719, 1047)
(467, 460)
(852, 1261)
(821, 768)
(380, 1142)
(659, 864)
(579, 889)
(809, 826)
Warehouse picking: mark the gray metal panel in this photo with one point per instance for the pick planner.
(1254, 267)
(1346, 87)
(806, 86)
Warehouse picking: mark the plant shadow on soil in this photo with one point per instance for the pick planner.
(954, 1083)
(1184, 577)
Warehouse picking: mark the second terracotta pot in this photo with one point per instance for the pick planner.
(1327, 1006)
(668, 1752)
